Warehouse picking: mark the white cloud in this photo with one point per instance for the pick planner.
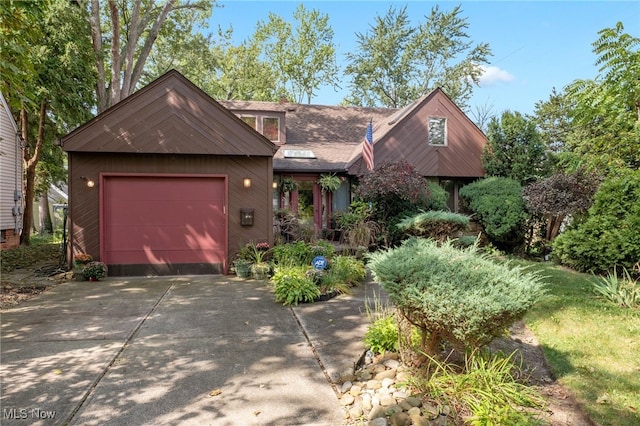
(492, 75)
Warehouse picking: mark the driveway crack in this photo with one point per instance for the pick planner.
(132, 334)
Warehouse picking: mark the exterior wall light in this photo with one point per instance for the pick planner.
(274, 185)
(90, 183)
(246, 182)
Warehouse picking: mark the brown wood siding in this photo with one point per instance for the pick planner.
(461, 157)
(84, 210)
(170, 116)
(405, 137)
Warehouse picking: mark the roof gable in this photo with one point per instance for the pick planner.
(168, 116)
(403, 135)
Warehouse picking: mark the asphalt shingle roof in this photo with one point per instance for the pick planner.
(333, 133)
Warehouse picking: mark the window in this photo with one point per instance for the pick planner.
(271, 128)
(250, 120)
(437, 131)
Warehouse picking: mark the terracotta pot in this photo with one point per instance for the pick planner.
(93, 279)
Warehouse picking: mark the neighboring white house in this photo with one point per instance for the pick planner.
(11, 169)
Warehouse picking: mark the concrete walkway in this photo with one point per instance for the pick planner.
(177, 350)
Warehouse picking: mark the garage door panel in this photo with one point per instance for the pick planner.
(165, 213)
(164, 220)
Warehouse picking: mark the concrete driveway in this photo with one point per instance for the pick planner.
(177, 350)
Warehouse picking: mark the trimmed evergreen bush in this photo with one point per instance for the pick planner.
(498, 206)
(438, 225)
(609, 237)
(438, 197)
(454, 295)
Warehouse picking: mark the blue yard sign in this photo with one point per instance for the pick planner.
(319, 262)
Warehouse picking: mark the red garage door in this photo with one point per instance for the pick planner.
(164, 225)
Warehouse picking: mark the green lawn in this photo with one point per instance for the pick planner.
(592, 345)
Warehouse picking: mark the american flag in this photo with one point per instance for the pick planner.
(367, 147)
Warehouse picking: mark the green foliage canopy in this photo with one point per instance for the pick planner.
(606, 111)
(515, 149)
(395, 62)
(303, 56)
(609, 236)
(497, 204)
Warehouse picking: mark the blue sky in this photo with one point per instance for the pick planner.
(536, 45)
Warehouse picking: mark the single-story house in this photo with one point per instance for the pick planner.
(170, 181)
(11, 178)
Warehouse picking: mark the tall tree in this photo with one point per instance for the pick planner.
(395, 62)
(123, 35)
(223, 70)
(242, 74)
(19, 29)
(606, 110)
(382, 68)
(515, 149)
(553, 122)
(56, 95)
(304, 56)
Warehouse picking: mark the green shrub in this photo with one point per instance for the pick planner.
(322, 248)
(290, 254)
(343, 273)
(292, 285)
(438, 197)
(454, 295)
(382, 335)
(438, 225)
(465, 241)
(498, 206)
(609, 236)
(347, 269)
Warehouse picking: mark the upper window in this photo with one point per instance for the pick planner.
(271, 128)
(437, 131)
(250, 120)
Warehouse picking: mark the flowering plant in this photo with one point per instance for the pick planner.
(95, 270)
(262, 246)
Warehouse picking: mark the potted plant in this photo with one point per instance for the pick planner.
(242, 268)
(329, 182)
(260, 271)
(260, 268)
(80, 260)
(288, 185)
(95, 270)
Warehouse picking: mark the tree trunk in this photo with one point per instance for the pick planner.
(30, 169)
(96, 40)
(46, 225)
(553, 226)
